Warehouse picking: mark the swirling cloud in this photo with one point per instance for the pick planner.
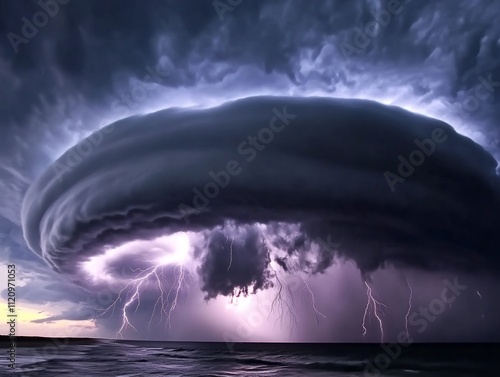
(389, 185)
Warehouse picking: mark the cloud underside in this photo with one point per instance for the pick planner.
(325, 169)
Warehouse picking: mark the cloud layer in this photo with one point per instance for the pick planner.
(77, 71)
(325, 167)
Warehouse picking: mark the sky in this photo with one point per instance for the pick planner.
(238, 170)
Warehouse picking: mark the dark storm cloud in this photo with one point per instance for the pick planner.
(93, 47)
(233, 265)
(327, 171)
(82, 61)
(294, 243)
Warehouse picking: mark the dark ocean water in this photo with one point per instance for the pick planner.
(133, 359)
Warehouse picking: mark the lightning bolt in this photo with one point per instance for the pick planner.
(281, 303)
(161, 298)
(179, 282)
(136, 286)
(280, 300)
(481, 297)
(377, 307)
(409, 309)
(316, 311)
(230, 255)
(366, 312)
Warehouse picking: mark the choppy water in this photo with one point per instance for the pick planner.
(131, 359)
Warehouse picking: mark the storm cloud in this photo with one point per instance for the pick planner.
(324, 170)
(236, 263)
(89, 65)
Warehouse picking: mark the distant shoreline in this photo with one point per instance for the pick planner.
(37, 341)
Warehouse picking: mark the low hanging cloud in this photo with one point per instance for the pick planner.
(323, 167)
(231, 265)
